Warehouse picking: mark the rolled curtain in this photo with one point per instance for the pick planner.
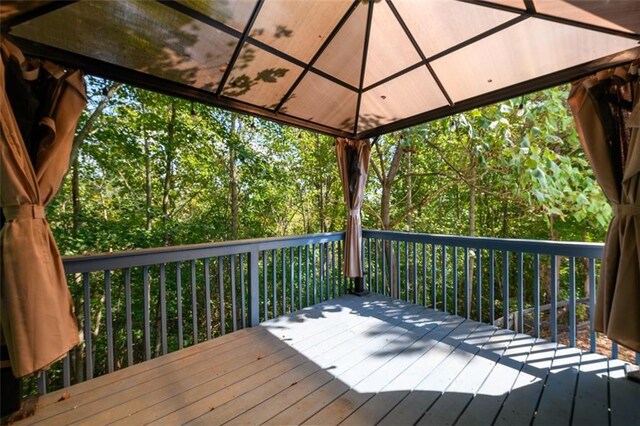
(41, 106)
(353, 165)
(607, 116)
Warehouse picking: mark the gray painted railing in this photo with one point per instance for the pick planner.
(136, 305)
(484, 279)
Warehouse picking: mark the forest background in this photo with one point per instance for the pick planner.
(150, 170)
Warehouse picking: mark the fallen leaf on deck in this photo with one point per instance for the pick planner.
(64, 396)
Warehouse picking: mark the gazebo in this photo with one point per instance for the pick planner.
(417, 347)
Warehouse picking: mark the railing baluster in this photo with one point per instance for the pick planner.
(291, 280)
(194, 301)
(146, 312)
(179, 302)
(321, 269)
(398, 282)
(109, 319)
(479, 283)
(492, 287)
(424, 274)
(207, 295)
(536, 294)
(433, 277)
(66, 371)
(306, 278)
(265, 298)
(223, 319)
(406, 271)
(415, 274)
(127, 302)
(554, 299)
(299, 277)
(505, 289)
(520, 293)
(87, 326)
(369, 264)
(467, 282)
(443, 272)
(334, 279)
(376, 258)
(455, 280)
(163, 309)
(274, 265)
(284, 281)
(254, 284)
(42, 383)
(234, 306)
(342, 280)
(592, 304)
(243, 293)
(314, 273)
(384, 268)
(572, 302)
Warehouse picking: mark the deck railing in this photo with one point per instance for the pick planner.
(542, 288)
(136, 305)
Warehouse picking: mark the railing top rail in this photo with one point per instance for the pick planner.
(558, 248)
(158, 255)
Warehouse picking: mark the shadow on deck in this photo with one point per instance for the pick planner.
(359, 361)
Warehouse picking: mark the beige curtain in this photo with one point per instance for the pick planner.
(607, 115)
(37, 319)
(353, 165)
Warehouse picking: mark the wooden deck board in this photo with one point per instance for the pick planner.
(359, 361)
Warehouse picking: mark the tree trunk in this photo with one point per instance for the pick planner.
(147, 172)
(76, 224)
(320, 193)
(168, 175)
(409, 194)
(472, 196)
(233, 183)
(166, 199)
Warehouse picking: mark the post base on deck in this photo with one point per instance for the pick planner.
(632, 372)
(358, 287)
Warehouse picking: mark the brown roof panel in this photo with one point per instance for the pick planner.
(422, 59)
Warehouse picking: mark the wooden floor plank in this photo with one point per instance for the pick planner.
(370, 333)
(124, 399)
(520, 404)
(359, 361)
(411, 409)
(376, 408)
(556, 402)
(589, 406)
(372, 369)
(270, 408)
(112, 395)
(461, 391)
(624, 396)
(489, 399)
(412, 370)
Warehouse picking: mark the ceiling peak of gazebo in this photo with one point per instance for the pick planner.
(342, 67)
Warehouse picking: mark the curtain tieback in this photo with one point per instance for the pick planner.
(626, 209)
(354, 213)
(25, 211)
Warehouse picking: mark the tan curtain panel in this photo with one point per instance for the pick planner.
(607, 115)
(37, 319)
(353, 165)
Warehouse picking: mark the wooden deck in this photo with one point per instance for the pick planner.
(359, 361)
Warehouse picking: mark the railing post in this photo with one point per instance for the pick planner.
(254, 297)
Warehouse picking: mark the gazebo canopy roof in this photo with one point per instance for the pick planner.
(342, 67)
